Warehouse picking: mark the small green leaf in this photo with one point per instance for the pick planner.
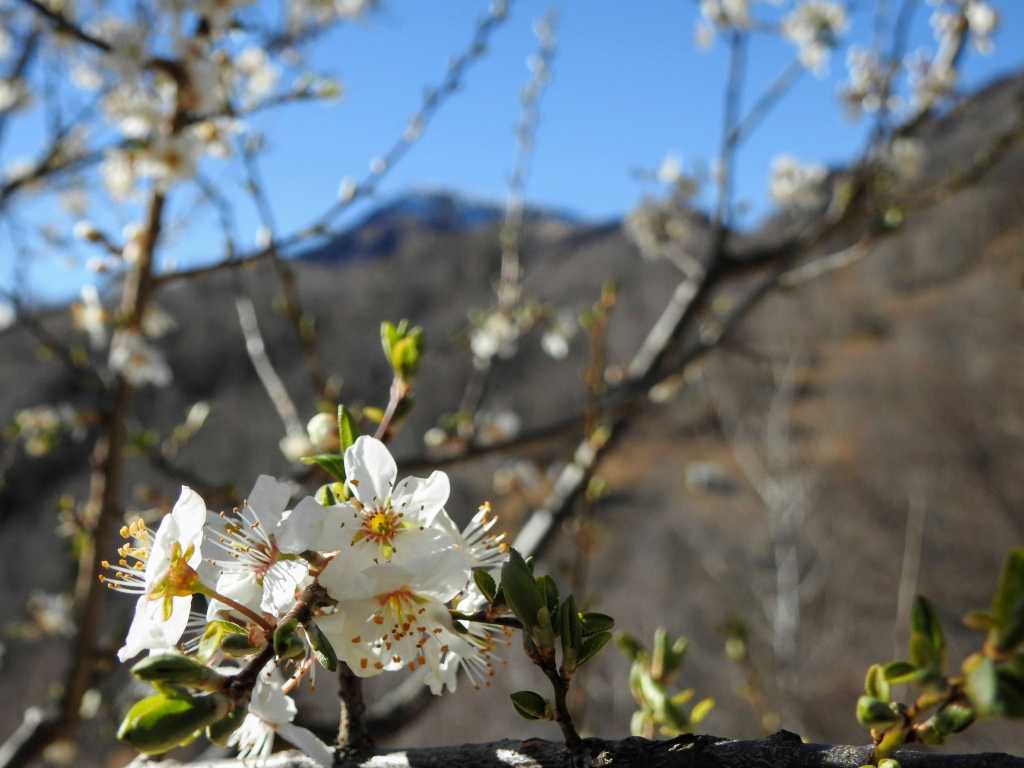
(659, 650)
(162, 722)
(888, 763)
(927, 643)
(485, 583)
(331, 463)
(875, 713)
(215, 634)
(953, 718)
(219, 732)
(1008, 603)
(520, 590)
(596, 622)
(549, 588)
(322, 648)
(530, 705)
(237, 646)
(571, 634)
(875, 684)
(347, 431)
(897, 672)
(591, 646)
(981, 684)
(331, 494)
(701, 710)
(627, 643)
(982, 621)
(288, 643)
(892, 740)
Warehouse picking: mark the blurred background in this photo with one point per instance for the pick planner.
(846, 435)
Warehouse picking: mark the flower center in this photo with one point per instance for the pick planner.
(381, 525)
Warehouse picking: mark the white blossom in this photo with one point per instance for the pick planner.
(90, 317)
(271, 712)
(390, 518)
(259, 546)
(496, 336)
(159, 567)
(814, 27)
(137, 361)
(794, 185)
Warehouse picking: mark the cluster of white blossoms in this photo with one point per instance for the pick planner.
(131, 355)
(934, 76)
(814, 27)
(398, 576)
(868, 88)
(795, 185)
(40, 427)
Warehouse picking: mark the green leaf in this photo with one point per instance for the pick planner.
(347, 431)
(322, 648)
(591, 646)
(219, 732)
(897, 672)
(927, 643)
(1011, 693)
(875, 713)
(1008, 603)
(530, 705)
(701, 710)
(982, 621)
(162, 722)
(876, 685)
(627, 643)
(888, 763)
(659, 649)
(237, 646)
(549, 588)
(214, 635)
(331, 463)
(953, 718)
(485, 583)
(331, 494)
(177, 669)
(288, 643)
(596, 622)
(521, 591)
(571, 633)
(892, 740)
(982, 684)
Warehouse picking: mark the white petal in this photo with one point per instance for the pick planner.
(268, 500)
(149, 631)
(189, 513)
(420, 500)
(241, 587)
(306, 741)
(312, 526)
(280, 584)
(370, 470)
(269, 702)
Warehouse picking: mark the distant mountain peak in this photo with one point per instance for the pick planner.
(427, 209)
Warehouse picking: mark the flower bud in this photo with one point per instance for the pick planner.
(874, 713)
(177, 669)
(323, 431)
(162, 722)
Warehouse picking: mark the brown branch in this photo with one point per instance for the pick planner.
(782, 750)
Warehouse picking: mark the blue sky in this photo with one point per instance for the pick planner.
(629, 85)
